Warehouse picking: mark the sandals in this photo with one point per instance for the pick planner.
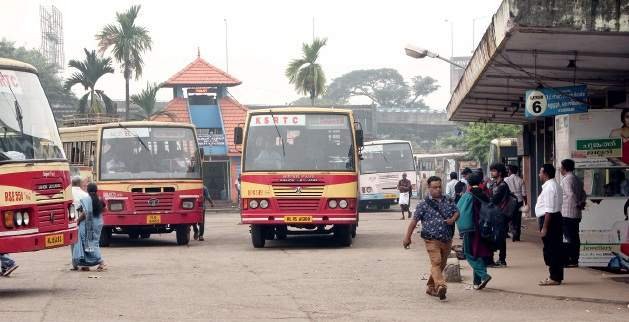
(101, 267)
(549, 282)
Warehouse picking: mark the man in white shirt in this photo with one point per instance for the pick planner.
(77, 192)
(571, 211)
(516, 185)
(454, 179)
(548, 212)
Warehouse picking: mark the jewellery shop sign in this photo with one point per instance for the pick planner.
(556, 101)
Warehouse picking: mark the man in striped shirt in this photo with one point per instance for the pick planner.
(571, 211)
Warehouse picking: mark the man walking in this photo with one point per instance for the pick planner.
(573, 202)
(454, 179)
(516, 185)
(548, 212)
(437, 215)
(199, 228)
(405, 187)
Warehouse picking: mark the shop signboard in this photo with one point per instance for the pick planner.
(595, 141)
(556, 101)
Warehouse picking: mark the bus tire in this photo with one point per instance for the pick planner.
(354, 230)
(343, 235)
(105, 237)
(281, 232)
(134, 235)
(145, 235)
(183, 234)
(258, 236)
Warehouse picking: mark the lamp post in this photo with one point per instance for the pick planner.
(419, 53)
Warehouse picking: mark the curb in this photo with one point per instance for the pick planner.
(563, 298)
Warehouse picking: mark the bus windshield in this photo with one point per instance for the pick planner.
(299, 142)
(148, 153)
(27, 126)
(391, 157)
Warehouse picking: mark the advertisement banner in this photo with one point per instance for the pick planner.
(598, 142)
(556, 101)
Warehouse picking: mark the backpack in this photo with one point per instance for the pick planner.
(459, 190)
(491, 223)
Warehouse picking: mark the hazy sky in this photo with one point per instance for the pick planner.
(263, 36)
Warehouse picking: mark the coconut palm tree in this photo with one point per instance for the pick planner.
(305, 73)
(146, 101)
(128, 42)
(89, 71)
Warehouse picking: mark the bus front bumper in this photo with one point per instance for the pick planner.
(37, 241)
(299, 219)
(112, 219)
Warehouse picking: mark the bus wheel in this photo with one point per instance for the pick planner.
(257, 236)
(134, 235)
(387, 206)
(145, 235)
(105, 237)
(354, 230)
(343, 235)
(183, 234)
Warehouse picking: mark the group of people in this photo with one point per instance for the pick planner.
(558, 210)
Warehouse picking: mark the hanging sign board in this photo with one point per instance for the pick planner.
(556, 101)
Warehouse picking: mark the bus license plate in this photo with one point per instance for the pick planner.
(297, 219)
(153, 219)
(390, 196)
(54, 240)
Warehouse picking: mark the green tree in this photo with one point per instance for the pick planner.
(303, 101)
(89, 71)
(146, 101)
(128, 42)
(305, 73)
(475, 138)
(52, 84)
(384, 87)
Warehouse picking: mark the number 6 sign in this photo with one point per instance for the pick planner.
(536, 103)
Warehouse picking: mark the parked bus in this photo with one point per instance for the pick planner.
(299, 170)
(504, 150)
(148, 174)
(381, 168)
(36, 207)
(442, 164)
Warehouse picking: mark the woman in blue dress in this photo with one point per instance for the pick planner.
(86, 251)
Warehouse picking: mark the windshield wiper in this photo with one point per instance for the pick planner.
(278, 132)
(135, 135)
(18, 110)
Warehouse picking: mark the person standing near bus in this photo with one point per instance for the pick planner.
(572, 203)
(548, 213)
(86, 252)
(199, 228)
(454, 179)
(516, 185)
(405, 187)
(500, 191)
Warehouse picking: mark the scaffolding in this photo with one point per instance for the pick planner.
(51, 27)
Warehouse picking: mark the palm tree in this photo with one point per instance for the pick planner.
(128, 42)
(89, 71)
(305, 73)
(146, 101)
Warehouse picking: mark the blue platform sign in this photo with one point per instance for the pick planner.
(556, 101)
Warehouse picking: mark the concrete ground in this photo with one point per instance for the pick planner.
(300, 279)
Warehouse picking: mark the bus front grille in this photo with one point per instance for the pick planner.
(298, 204)
(51, 217)
(298, 191)
(148, 202)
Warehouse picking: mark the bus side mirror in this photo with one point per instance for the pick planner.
(359, 137)
(238, 135)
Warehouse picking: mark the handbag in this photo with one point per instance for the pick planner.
(465, 223)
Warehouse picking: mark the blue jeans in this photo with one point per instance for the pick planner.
(6, 261)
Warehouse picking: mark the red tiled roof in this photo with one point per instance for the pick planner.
(233, 115)
(178, 109)
(202, 73)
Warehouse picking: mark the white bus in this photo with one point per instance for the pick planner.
(381, 168)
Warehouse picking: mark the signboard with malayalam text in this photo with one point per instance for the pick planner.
(556, 101)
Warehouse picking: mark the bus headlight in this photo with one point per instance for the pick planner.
(369, 190)
(19, 220)
(343, 203)
(187, 204)
(116, 205)
(253, 204)
(72, 213)
(27, 218)
(332, 203)
(264, 204)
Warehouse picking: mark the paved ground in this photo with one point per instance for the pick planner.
(303, 278)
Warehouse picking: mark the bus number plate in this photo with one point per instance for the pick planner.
(54, 240)
(298, 219)
(153, 219)
(390, 196)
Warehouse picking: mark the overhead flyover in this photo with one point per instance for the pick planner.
(532, 44)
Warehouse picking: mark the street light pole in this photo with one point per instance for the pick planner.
(419, 53)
